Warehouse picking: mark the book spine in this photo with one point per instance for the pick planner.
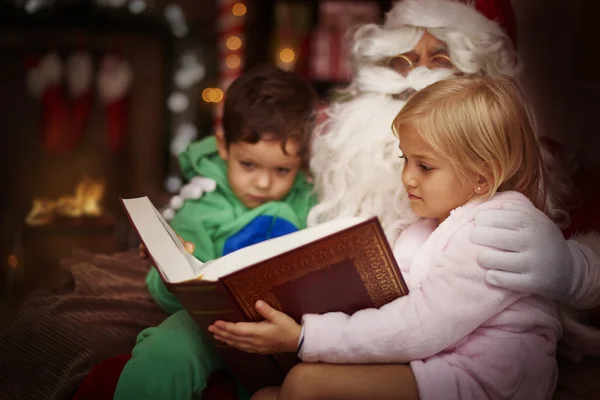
(207, 302)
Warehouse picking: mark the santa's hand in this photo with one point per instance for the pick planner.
(527, 252)
(277, 334)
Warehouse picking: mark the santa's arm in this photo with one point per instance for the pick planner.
(585, 291)
(527, 252)
(447, 306)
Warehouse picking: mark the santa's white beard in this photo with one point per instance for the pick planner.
(356, 166)
(355, 159)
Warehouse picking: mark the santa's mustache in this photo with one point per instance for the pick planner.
(387, 81)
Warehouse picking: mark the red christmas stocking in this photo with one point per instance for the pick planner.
(114, 80)
(79, 68)
(44, 81)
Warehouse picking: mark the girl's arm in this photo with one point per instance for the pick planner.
(449, 305)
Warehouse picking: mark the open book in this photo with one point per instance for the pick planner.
(344, 265)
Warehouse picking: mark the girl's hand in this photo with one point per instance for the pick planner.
(277, 334)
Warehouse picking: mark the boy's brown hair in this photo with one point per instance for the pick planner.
(267, 103)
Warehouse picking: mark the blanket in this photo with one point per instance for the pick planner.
(59, 334)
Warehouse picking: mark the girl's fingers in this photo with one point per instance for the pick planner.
(238, 345)
(232, 336)
(248, 329)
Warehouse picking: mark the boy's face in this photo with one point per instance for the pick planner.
(433, 185)
(260, 172)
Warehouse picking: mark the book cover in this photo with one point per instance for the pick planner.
(348, 270)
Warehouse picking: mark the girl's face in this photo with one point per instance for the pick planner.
(433, 185)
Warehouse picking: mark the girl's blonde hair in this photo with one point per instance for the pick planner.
(481, 125)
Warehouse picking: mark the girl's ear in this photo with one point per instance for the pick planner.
(482, 186)
(222, 145)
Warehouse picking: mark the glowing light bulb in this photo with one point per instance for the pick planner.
(287, 55)
(233, 61)
(238, 9)
(233, 43)
(206, 95)
(13, 261)
(218, 95)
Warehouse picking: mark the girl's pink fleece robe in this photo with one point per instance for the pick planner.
(463, 338)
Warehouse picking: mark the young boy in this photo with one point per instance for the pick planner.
(258, 164)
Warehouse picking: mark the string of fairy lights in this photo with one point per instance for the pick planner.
(190, 71)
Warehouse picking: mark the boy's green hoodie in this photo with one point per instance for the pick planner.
(218, 223)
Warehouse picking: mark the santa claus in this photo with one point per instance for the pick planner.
(355, 160)
(357, 172)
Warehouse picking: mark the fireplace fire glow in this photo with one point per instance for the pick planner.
(85, 202)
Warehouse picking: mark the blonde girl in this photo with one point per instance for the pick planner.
(468, 144)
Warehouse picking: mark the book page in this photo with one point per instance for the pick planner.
(196, 264)
(161, 242)
(251, 255)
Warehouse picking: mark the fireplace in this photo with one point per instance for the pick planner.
(85, 203)
(54, 202)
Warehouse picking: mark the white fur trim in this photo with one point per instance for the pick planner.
(580, 339)
(475, 43)
(176, 202)
(373, 42)
(590, 239)
(114, 78)
(80, 71)
(47, 73)
(447, 14)
(168, 214)
(190, 191)
(207, 184)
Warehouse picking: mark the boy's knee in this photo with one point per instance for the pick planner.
(180, 353)
(177, 348)
(302, 382)
(172, 360)
(166, 371)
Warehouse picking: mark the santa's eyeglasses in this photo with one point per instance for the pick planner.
(403, 64)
